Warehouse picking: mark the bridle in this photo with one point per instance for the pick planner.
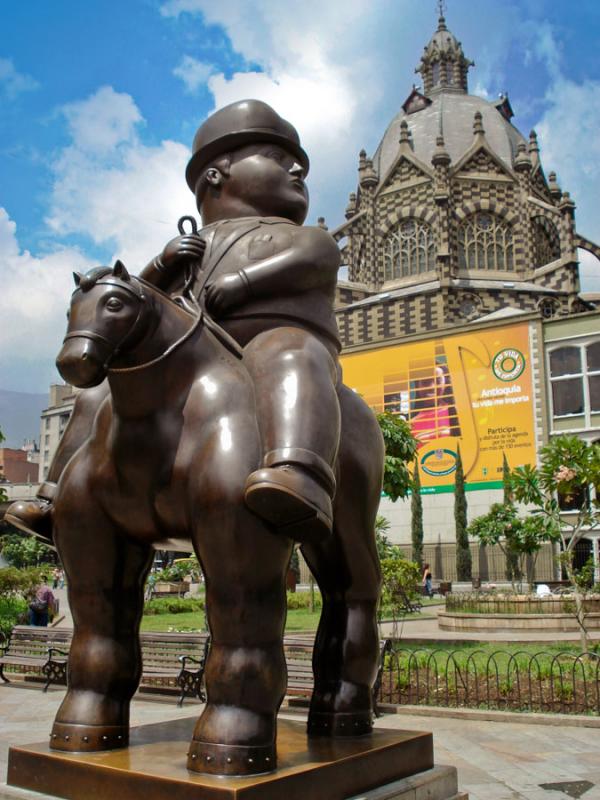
(136, 330)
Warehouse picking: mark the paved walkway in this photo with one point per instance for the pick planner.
(495, 760)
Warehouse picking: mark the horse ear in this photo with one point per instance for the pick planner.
(119, 271)
(77, 276)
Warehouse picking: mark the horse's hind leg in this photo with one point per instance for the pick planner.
(105, 574)
(245, 674)
(346, 652)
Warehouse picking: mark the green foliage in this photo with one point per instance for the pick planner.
(518, 538)
(16, 587)
(400, 581)
(20, 550)
(3, 497)
(513, 570)
(416, 519)
(385, 549)
(19, 582)
(177, 571)
(400, 450)
(175, 605)
(463, 551)
(294, 564)
(296, 600)
(13, 611)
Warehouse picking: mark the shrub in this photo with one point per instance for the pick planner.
(297, 600)
(175, 605)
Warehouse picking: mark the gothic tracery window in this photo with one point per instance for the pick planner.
(485, 242)
(409, 249)
(546, 241)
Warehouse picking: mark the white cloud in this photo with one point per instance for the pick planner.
(104, 121)
(34, 298)
(568, 134)
(111, 187)
(13, 82)
(193, 73)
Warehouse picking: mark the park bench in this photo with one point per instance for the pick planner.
(298, 657)
(38, 651)
(168, 658)
(178, 658)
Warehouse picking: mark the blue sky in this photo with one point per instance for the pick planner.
(100, 100)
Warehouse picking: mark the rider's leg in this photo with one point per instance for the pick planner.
(105, 573)
(295, 378)
(245, 675)
(346, 653)
(35, 516)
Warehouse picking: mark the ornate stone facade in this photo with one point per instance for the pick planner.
(454, 218)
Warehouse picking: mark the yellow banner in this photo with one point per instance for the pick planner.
(472, 390)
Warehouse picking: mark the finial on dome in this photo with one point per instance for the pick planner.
(478, 124)
(321, 223)
(522, 161)
(534, 148)
(553, 186)
(362, 157)
(351, 207)
(404, 137)
(441, 5)
(441, 157)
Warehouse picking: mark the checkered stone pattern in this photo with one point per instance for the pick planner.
(539, 185)
(482, 162)
(345, 296)
(404, 171)
(563, 279)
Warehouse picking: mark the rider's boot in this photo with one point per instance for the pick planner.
(293, 491)
(34, 516)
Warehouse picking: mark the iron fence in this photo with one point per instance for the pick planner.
(567, 683)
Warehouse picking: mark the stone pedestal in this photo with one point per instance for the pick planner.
(388, 765)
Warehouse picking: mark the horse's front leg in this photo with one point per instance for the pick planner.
(244, 565)
(105, 574)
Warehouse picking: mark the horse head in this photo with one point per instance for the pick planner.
(110, 314)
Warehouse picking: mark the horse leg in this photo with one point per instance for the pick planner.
(105, 573)
(346, 652)
(244, 565)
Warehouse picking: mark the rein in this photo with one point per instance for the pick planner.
(143, 309)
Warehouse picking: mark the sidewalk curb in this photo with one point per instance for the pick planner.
(483, 715)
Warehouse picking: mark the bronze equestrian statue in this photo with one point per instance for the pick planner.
(238, 437)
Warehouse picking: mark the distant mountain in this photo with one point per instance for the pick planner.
(20, 416)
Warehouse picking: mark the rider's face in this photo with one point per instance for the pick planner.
(268, 179)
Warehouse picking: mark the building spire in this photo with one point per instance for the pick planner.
(443, 64)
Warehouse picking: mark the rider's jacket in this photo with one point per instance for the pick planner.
(297, 292)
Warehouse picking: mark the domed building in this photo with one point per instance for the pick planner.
(454, 218)
(462, 310)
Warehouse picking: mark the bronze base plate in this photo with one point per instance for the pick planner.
(153, 767)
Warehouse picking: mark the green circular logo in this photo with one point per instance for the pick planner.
(508, 364)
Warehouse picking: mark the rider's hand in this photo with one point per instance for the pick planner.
(182, 250)
(226, 292)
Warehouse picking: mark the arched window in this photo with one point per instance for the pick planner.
(485, 241)
(409, 249)
(546, 241)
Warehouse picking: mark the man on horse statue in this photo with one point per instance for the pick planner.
(270, 282)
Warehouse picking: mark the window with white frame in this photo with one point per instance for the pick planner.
(575, 379)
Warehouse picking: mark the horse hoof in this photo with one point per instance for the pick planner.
(88, 738)
(337, 723)
(228, 759)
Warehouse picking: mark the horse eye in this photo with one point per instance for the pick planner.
(68, 315)
(113, 304)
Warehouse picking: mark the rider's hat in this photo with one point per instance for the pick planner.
(236, 125)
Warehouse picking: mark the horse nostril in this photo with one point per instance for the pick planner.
(84, 357)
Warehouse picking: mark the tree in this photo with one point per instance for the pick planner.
(20, 550)
(400, 450)
(385, 549)
(400, 581)
(519, 539)
(513, 571)
(569, 468)
(416, 519)
(463, 551)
